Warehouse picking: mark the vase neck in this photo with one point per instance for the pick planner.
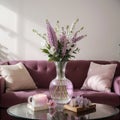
(60, 70)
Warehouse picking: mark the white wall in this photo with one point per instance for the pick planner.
(101, 19)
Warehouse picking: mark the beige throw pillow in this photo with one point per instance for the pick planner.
(17, 77)
(99, 77)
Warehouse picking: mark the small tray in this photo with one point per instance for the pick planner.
(80, 109)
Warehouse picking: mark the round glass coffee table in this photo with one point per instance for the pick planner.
(101, 112)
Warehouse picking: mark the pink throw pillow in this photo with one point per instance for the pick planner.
(99, 77)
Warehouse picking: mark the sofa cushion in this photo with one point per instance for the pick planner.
(15, 97)
(16, 77)
(110, 98)
(100, 77)
(12, 98)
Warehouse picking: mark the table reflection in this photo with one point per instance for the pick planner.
(63, 115)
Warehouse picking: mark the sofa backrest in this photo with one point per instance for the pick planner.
(43, 72)
(77, 70)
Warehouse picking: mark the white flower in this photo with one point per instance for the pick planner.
(52, 50)
(42, 44)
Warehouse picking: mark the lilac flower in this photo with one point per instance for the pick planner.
(62, 38)
(79, 38)
(63, 41)
(51, 35)
(75, 38)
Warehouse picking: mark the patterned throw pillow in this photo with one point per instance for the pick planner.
(99, 77)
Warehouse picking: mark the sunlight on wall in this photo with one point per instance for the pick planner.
(8, 19)
(28, 40)
(30, 36)
(8, 28)
(17, 36)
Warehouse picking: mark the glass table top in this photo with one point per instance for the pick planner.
(22, 111)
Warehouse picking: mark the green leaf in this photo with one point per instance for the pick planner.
(45, 51)
(48, 46)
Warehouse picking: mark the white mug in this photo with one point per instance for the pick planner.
(38, 100)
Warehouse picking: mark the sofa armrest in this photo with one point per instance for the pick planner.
(2, 86)
(117, 85)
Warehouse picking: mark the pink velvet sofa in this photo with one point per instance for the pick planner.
(43, 72)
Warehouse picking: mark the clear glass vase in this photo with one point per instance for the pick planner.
(61, 88)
